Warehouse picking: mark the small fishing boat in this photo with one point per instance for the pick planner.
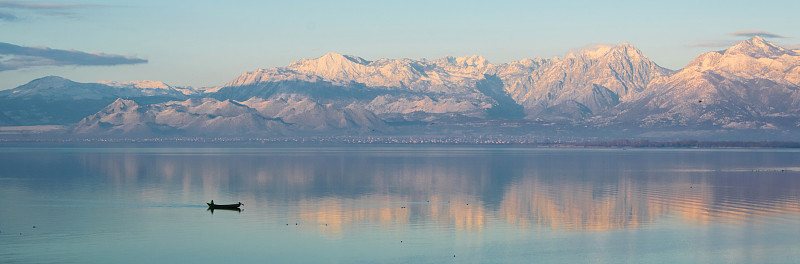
(224, 206)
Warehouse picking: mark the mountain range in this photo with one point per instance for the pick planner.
(752, 88)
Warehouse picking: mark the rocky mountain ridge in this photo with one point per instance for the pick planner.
(753, 85)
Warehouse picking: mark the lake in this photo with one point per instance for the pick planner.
(398, 204)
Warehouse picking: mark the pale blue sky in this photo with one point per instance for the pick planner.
(208, 43)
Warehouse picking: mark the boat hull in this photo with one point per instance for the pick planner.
(224, 206)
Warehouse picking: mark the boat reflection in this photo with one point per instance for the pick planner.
(223, 209)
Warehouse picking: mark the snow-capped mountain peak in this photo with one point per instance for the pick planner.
(51, 81)
(472, 61)
(56, 88)
(628, 50)
(604, 50)
(752, 85)
(757, 47)
(735, 88)
(594, 51)
(329, 60)
(122, 105)
(332, 66)
(752, 58)
(336, 58)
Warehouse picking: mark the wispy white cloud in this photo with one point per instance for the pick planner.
(753, 33)
(14, 57)
(731, 42)
(10, 10)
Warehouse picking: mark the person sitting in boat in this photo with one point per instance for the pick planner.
(212, 202)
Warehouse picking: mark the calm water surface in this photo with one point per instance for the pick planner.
(399, 204)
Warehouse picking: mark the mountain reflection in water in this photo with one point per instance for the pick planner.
(463, 188)
(398, 204)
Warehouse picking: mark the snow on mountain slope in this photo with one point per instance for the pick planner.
(620, 69)
(449, 83)
(750, 59)
(342, 70)
(54, 87)
(750, 85)
(309, 114)
(757, 47)
(388, 104)
(120, 117)
(208, 116)
(152, 88)
(58, 88)
(334, 66)
(269, 75)
(190, 117)
(138, 84)
(54, 100)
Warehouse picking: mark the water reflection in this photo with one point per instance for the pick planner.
(334, 189)
(211, 210)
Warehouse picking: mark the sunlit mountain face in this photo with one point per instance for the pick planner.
(749, 89)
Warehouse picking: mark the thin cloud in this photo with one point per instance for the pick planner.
(593, 46)
(717, 44)
(753, 33)
(29, 5)
(10, 10)
(13, 57)
(728, 43)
